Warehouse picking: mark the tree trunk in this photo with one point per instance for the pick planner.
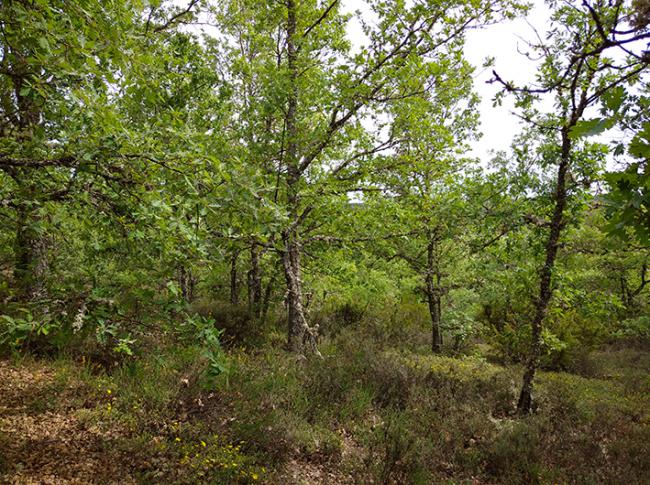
(191, 286)
(31, 265)
(255, 282)
(234, 287)
(266, 301)
(300, 337)
(183, 282)
(525, 404)
(187, 283)
(433, 291)
(295, 312)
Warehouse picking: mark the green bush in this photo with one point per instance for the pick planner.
(514, 456)
(239, 325)
(634, 328)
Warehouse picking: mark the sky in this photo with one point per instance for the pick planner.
(500, 41)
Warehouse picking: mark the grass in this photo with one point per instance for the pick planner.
(363, 414)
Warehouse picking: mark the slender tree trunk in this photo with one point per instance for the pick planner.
(187, 283)
(182, 282)
(525, 404)
(191, 286)
(434, 297)
(234, 286)
(266, 301)
(434, 312)
(297, 324)
(255, 282)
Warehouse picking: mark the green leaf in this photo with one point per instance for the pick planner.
(45, 45)
(591, 127)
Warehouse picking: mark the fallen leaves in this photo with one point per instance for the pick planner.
(46, 446)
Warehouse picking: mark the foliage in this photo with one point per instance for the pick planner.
(204, 333)
(189, 190)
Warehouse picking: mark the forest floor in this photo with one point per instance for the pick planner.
(43, 441)
(406, 418)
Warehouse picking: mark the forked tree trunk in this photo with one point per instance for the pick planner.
(525, 403)
(297, 323)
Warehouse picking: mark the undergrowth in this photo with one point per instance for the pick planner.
(366, 414)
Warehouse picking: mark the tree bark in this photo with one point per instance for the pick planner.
(266, 301)
(234, 286)
(31, 265)
(187, 283)
(525, 403)
(255, 282)
(300, 337)
(182, 282)
(433, 291)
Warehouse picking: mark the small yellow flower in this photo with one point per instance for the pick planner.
(108, 391)
(203, 444)
(178, 440)
(254, 476)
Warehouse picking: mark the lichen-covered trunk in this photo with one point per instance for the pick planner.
(296, 321)
(31, 264)
(184, 282)
(525, 403)
(300, 337)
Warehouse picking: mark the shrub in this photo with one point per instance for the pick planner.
(239, 325)
(514, 456)
(634, 328)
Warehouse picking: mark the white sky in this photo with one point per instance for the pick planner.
(500, 41)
